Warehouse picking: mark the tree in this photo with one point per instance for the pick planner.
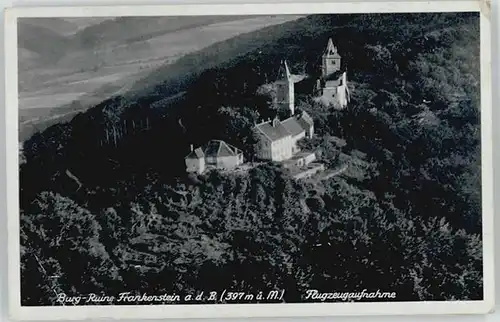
(66, 237)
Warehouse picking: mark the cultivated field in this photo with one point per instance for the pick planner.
(91, 61)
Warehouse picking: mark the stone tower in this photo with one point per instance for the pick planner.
(285, 94)
(331, 60)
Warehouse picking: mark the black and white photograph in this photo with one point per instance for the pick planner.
(251, 158)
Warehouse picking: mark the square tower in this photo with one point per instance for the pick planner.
(331, 60)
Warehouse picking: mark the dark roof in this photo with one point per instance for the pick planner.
(218, 148)
(272, 131)
(293, 126)
(196, 154)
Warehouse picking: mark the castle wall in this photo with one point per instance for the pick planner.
(329, 92)
(311, 170)
(342, 95)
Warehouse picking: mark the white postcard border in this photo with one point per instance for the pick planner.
(245, 310)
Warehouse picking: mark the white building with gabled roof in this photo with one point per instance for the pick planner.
(274, 141)
(278, 139)
(216, 154)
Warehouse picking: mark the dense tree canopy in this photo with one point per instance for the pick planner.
(107, 206)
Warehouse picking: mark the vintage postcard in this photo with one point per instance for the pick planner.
(209, 161)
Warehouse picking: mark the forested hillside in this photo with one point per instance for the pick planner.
(107, 206)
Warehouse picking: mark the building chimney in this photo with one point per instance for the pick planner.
(191, 147)
(276, 121)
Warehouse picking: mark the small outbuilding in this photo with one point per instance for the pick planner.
(195, 161)
(216, 154)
